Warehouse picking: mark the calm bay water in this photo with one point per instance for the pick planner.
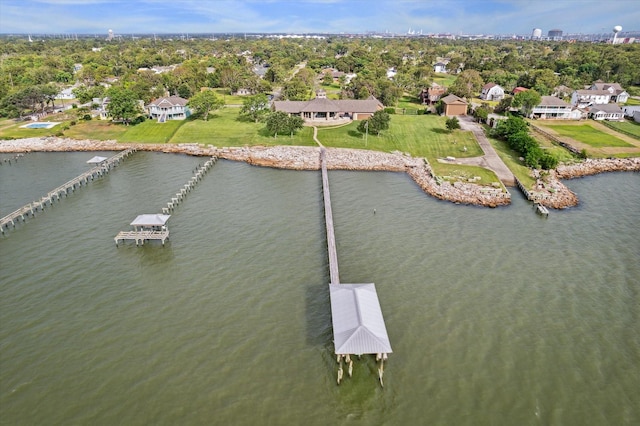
(496, 316)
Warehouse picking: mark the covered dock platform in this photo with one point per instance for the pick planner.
(146, 227)
(358, 325)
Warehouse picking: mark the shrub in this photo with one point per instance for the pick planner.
(390, 110)
(72, 123)
(86, 117)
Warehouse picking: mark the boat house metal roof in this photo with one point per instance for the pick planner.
(151, 220)
(358, 324)
(97, 160)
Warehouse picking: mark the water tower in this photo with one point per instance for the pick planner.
(616, 30)
(536, 34)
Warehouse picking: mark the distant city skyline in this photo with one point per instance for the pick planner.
(316, 16)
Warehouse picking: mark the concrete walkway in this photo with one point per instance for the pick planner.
(490, 160)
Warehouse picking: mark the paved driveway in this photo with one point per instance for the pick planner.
(490, 160)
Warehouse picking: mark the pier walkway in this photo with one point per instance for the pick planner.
(98, 171)
(358, 323)
(328, 216)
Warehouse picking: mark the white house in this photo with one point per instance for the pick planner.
(551, 107)
(171, 108)
(606, 112)
(66, 93)
(618, 94)
(586, 97)
(440, 67)
(599, 93)
(492, 92)
(630, 110)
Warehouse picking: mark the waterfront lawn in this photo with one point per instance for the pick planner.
(456, 172)
(10, 129)
(626, 126)
(95, 129)
(225, 128)
(512, 159)
(417, 135)
(588, 134)
(150, 131)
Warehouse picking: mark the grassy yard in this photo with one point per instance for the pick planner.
(511, 159)
(10, 129)
(225, 128)
(588, 134)
(444, 79)
(96, 129)
(455, 172)
(418, 135)
(150, 131)
(633, 101)
(229, 99)
(627, 126)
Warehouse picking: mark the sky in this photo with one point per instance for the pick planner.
(309, 16)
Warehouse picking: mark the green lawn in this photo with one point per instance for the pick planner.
(150, 131)
(511, 159)
(444, 79)
(455, 172)
(224, 128)
(418, 135)
(229, 99)
(589, 135)
(10, 129)
(632, 101)
(96, 129)
(626, 126)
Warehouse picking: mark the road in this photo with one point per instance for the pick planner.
(490, 160)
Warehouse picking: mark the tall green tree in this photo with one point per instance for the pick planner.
(255, 107)
(123, 104)
(279, 122)
(378, 122)
(467, 84)
(205, 102)
(526, 100)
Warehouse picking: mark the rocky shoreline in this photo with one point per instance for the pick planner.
(551, 193)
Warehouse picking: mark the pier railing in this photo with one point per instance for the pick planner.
(55, 194)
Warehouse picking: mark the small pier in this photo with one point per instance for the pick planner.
(540, 209)
(56, 194)
(148, 227)
(358, 323)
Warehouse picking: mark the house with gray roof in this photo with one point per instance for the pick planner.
(168, 108)
(551, 107)
(610, 112)
(322, 109)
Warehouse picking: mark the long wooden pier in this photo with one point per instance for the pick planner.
(182, 193)
(64, 189)
(328, 216)
(358, 324)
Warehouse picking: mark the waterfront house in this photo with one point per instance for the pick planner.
(551, 107)
(321, 109)
(610, 112)
(618, 94)
(492, 92)
(168, 108)
(599, 93)
(454, 105)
